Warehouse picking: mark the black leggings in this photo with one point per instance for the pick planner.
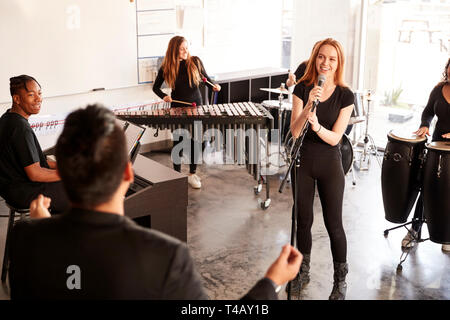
(193, 157)
(326, 169)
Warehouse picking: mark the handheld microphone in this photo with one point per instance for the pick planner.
(320, 82)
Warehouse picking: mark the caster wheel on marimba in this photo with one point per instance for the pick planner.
(265, 204)
(386, 232)
(257, 189)
(399, 268)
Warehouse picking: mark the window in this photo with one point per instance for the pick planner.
(407, 47)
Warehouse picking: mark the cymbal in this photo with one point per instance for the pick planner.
(276, 90)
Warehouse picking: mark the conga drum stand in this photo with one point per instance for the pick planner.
(418, 219)
(280, 124)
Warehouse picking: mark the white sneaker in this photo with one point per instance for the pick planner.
(446, 247)
(197, 177)
(194, 182)
(409, 240)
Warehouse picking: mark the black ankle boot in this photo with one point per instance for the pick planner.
(339, 286)
(302, 278)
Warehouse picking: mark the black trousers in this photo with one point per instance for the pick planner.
(193, 158)
(20, 196)
(323, 167)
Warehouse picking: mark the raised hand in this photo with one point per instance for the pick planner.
(286, 266)
(39, 207)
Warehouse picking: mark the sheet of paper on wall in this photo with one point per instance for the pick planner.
(155, 4)
(153, 46)
(190, 3)
(148, 69)
(156, 22)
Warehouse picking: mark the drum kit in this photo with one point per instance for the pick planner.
(283, 110)
(411, 168)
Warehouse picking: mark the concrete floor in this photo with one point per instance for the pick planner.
(233, 241)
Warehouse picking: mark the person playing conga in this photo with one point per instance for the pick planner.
(438, 105)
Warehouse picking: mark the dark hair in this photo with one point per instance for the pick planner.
(20, 82)
(445, 74)
(91, 155)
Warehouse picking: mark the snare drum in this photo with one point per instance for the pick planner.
(436, 191)
(400, 181)
(282, 122)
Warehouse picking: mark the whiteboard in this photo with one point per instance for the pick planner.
(69, 46)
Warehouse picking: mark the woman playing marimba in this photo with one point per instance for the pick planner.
(183, 73)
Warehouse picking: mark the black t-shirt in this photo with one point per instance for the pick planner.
(300, 70)
(182, 91)
(437, 106)
(327, 111)
(19, 149)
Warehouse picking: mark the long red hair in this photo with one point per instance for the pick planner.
(171, 64)
(311, 74)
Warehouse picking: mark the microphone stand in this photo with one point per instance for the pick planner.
(295, 158)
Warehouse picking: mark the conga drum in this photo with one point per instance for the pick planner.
(436, 191)
(282, 117)
(400, 174)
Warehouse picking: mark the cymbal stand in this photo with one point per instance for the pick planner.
(369, 147)
(280, 114)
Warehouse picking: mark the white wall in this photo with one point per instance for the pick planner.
(70, 46)
(317, 20)
(242, 35)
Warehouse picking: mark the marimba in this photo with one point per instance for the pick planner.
(243, 125)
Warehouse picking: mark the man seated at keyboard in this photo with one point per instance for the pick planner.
(24, 170)
(93, 251)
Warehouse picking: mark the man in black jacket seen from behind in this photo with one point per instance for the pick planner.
(93, 251)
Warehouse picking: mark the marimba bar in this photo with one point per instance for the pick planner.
(239, 123)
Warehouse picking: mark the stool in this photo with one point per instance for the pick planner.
(11, 219)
